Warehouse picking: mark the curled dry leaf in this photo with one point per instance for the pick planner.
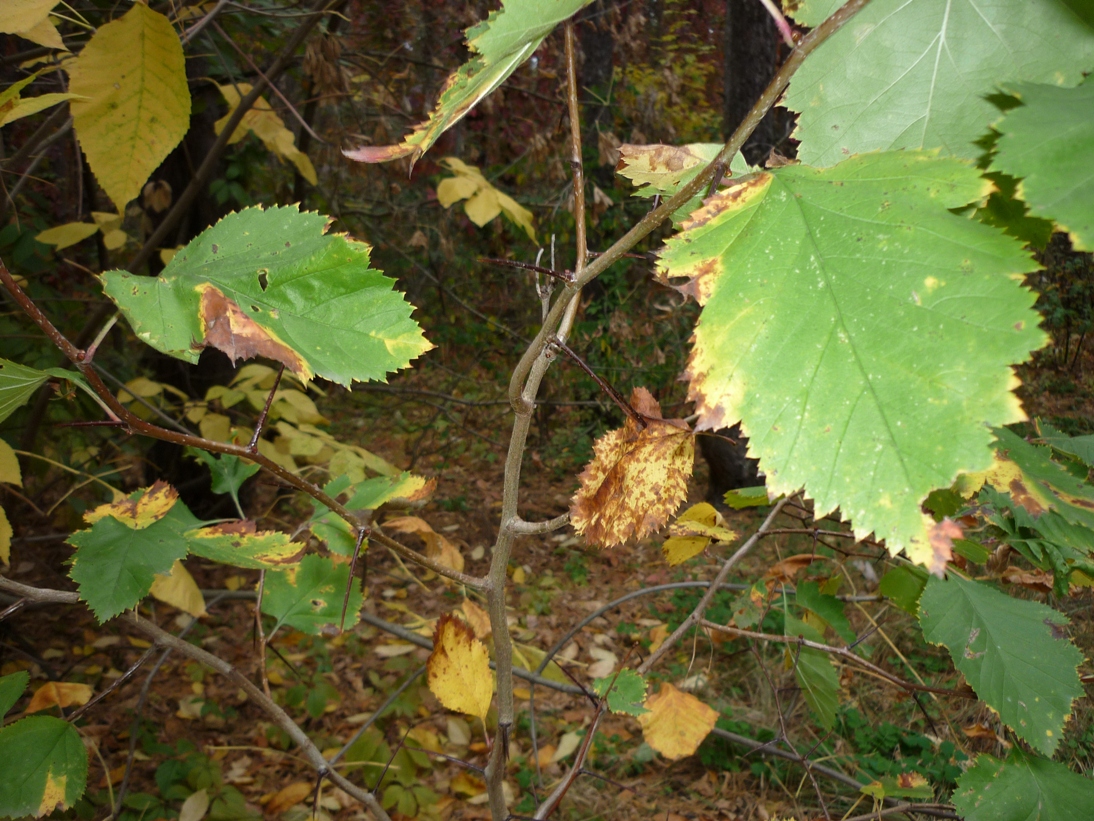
(1039, 581)
(785, 571)
(676, 723)
(637, 478)
(458, 670)
(437, 547)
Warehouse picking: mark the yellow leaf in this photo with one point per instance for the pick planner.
(657, 637)
(637, 478)
(566, 746)
(59, 694)
(138, 513)
(267, 126)
(114, 240)
(289, 796)
(218, 427)
(179, 589)
(692, 531)
(517, 213)
(68, 234)
(107, 221)
(22, 15)
(483, 206)
(458, 669)
(195, 807)
(484, 201)
(168, 254)
(437, 547)
(25, 106)
(137, 108)
(453, 189)
(477, 618)
(5, 537)
(677, 722)
(9, 465)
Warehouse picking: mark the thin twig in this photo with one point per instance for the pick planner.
(842, 652)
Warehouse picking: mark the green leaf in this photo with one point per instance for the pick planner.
(1013, 653)
(904, 585)
(835, 265)
(506, 39)
(370, 494)
(115, 564)
(309, 595)
(829, 608)
(1081, 447)
(1049, 143)
(1023, 788)
(917, 73)
(45, 767)
(815, 673)
(662, 170)
(625, 692)
(136, 101)
(273, 283)
(238, 544)
(11, 687)
(747, 497)
(1004, 209)
(17, 385)
(228, 472)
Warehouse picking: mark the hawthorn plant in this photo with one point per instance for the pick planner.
(862, 313)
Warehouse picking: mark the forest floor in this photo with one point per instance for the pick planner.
(176, 727)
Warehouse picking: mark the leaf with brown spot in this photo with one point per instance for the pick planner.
(273, 282)
(677, 722)
(227, 328)
(662, 170)
(138, 512)
(458, 670)
(637, 479)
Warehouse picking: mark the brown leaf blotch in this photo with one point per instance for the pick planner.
(229, 329)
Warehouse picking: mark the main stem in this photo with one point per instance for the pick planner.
(522, 397)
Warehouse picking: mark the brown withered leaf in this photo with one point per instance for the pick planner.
(785, 571)
(437, 547)
(227, 328)
(637, 479)
(60, 694)
(942, 535)
(1039, 581)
